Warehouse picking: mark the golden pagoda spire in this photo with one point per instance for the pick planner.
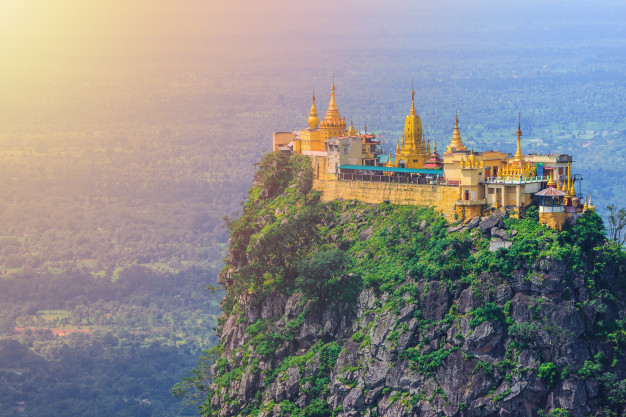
(333, 112)
(313, 119)
(428, 149)
(570, 185)
(519, 156)
(591, 206)
(332, 125)
(351, 130)
(457, 143)
(586, 206)
(413, 143)
(397, 148)
(435, 146)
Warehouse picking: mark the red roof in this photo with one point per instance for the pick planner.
(433, 165)
(551, 192)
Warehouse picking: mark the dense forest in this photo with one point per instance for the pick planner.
(105, 255)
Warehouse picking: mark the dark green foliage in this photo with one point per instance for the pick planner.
(274, 173)
(524, 332)
(532, 213)
(267, 246)
(317, 408)
(593, 367)
(320, 276)
(487, 312)
(428, 363)
(548, 373)
(358, 337)
(614, 390)
(559, 412)
(484, 367)
(587, 233)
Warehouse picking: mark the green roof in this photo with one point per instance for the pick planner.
(384, 159)
(390, 169)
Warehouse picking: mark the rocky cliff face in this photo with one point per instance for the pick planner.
(415, 317)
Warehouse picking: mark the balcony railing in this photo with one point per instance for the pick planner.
(397, 179)
(519, 180)
(471, 202)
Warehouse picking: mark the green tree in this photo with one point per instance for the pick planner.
(617, 224)
(319, 274)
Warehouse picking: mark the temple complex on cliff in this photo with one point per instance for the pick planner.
(460, 183)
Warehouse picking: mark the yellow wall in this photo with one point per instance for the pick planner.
(281, 139)
(320, 167)
(311, 140)
(443, 199)
(468, 212)
(553, 220)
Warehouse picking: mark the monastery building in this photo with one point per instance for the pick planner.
(460, 183)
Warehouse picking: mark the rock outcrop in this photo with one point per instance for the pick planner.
(415, 319)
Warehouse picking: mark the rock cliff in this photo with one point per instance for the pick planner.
(349, 309)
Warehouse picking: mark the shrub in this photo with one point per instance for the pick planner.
(320, 275)
(592, 367)
(559, 412)
(547, 372)
(524, 332)
(317, 408)
(487, 312)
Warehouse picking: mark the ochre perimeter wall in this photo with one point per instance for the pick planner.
(443, 199)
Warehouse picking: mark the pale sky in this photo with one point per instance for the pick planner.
(53, 43)
(56, 31)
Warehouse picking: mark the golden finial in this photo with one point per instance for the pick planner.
(428, 149)
(570, 185)
(591, 206)
(333, 112)
(313, 120)
(351, 130)
(457, 143)
(551, 183)
(412, 112)
(585, 207)
(519, 156)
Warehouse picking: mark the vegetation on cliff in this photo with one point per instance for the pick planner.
(345, 308)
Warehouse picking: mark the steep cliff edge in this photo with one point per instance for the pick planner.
(350, 309)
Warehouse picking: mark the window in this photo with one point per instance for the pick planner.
(345, 150)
